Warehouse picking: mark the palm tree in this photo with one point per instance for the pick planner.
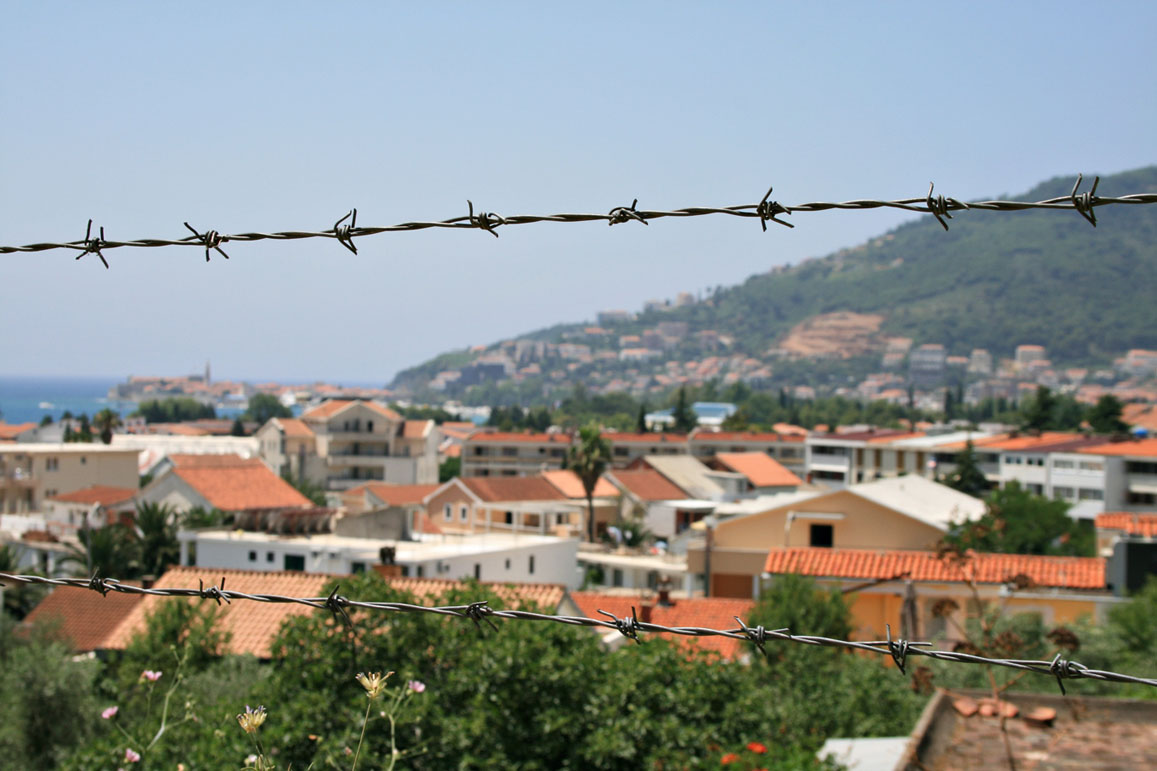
(589, 459)
(108, 551)
(156, 530)
(105, 422)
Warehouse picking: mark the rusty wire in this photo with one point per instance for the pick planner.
(630, 626)
(765, 211)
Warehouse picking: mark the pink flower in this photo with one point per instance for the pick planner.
(417, 686)
(132, 757)
(151, 676)
(109, 713)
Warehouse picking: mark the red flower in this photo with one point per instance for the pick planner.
(730, 757)
(757, 748)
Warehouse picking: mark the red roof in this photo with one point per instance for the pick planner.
(530, 438)
(1144, 525)
(332, 407)
(241, 488)
(415, 429)
(647, 485)
(987, 568)
(746, 436)
(294, 428)
(625, 437)
(83, 617)
(397, 495)
(97, 494)
(13, 430)
(760, 469)
(568, 483)
(548, 597)
(708, 612)
(211, 460)
(1142, 448)
(497, 489)
(253, 625)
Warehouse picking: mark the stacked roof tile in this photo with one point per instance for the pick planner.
(707, 612)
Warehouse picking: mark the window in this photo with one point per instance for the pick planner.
(531, 565)
(1089, 494)
(370, 426)
(1142, 499)
(616, 577)
(821, 536)
(252, 556)
(1092, 465)
(357, 567)
(269, 556)
(508, 518)
(295, 562)
(421, 571)
(83, 460)
(1064, 493)
(508, 564)
(447, 512)
(477, 571)
(1063, 464)
(463, 512)
(509, 452)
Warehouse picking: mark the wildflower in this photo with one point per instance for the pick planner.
(132, 757)
(109, 713)
(728, 759)
(417, 686)
(374, 683)
(756, 747)
(150, 675)
(250, 759)
(251, 719)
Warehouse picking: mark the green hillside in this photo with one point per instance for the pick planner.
(994, 280)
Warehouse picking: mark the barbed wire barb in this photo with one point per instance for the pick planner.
(344, 233)
(211, 239)
(93, 245)
(629, 626)
(1085, 202)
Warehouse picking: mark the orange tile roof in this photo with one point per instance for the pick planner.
(747, 436)
(239, 488)
(398, 495)
(869, 564)
(498, 489)
(547, 597)
(253, 625)
(453, 451)
(648, 485)
(760, 469)
(1142, 448)
(12, 430)
(568, 483)
(211, 460)
(1144, 525)
(176, 429)
(99, 494)
(332, 407)
(294, 428)
(1023, 442)
(415, 429)
(509, 436)
(709, 612)
(624, 437)
(82, 616)
(1141, 415)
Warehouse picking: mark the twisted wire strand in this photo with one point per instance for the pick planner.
(765, 211)
(629, 626)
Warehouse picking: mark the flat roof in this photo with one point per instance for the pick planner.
(78, 448)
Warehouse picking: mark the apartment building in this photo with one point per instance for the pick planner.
(627, 447)
(1130, 473)
(345, 443)
(789, 449)
(839, 460)
(30, 472)
(513, 454)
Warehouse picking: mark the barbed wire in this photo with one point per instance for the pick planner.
(765, 211)
(629, 626)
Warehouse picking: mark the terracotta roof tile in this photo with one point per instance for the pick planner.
(647, 485)
(416, 429)
(568, 483)
(97, 494)
(13, 430)
(495, 489)
(760, 469)
(211, 460)
(332, 407)
(710, 612)
(399, 495)
(294, 428)
(1144, 525)
(748, 436)
(253, 625)
(628, 437)
(547, 597)
(1145, 448)
(84, 617)
(512, 437)
(238, 488)
(1045, 571)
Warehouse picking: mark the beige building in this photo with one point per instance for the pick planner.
(510, 454)
(899, 513)
(31, 472)
(346, 443)
(788, 449)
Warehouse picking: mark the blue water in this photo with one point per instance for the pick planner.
(21, 397)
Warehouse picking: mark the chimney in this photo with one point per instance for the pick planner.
(645, 609)
(665, 592)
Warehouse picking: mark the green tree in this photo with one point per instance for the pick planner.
(967, 476)
(685, 419)
(1105, 416)
(84, 433)
(589, 458)
(105, 422)
(798, 604)
(46, 421)
(1037, 412)
(307, 487)
(111, 551)
(156, 529)
(449, 468)
(238, 428)
(262, 407)
(641, 421)
(174, 410)
(1019, 522)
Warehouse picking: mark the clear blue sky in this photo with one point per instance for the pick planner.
(270, 116)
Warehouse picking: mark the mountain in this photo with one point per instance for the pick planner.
(993, 281)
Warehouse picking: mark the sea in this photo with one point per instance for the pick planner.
(28, 398)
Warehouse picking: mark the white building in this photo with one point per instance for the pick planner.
(514, 557)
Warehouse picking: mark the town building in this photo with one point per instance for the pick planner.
(91, 507)
(927, 365)
(31, 472)
(788, 449)
(226, 483)
(763, 474)
(503, 453)
(344, 443)
(532, 504)
(627, 447)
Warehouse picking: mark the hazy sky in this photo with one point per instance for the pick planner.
(272, 116)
